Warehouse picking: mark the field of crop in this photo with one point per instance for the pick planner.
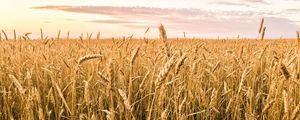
(149, 79)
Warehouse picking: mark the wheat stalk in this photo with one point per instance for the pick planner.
(37, 95)
(86, 91)
(243, 78)
(295, 112)
(298, 51)
(268, 106)
(89, 57)
(285, 102)
(163, 33)
(109, 114)
(165, 70)
(93, 117)
(56, 86)
(130, 87)
(180, 63)
(164, 115)
(17, 84)
(147, 30)
(134, 55)
(73, 98)
(98, 36)
(68, 35)
(110, 88)
(158, 82)
(103, 77)
(125, 99)
(15, 35)
(263, 33)
(298, 39)
(42, 35)
(180, 107)
(142, 84)
(261, 26)
(89, 36)
(5, 35)
(58, 35)
(284, 71)
(26, 36)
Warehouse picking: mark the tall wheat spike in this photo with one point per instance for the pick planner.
(163, 33)
(68, 35)
(262, 29)
(5, 35)
(147, 30)
(90, 36)
(15, 35)
(26, 36)
(98, 36)
(42, 36)
(263, 33)
(58, 35)
(261, 26)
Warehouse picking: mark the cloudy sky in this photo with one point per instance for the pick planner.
(198, 18)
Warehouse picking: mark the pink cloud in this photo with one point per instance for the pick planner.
(195, 21)
(255, 1)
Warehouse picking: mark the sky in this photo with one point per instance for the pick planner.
(118, 18)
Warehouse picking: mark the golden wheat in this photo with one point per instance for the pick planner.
(89, 57)
(138, 79)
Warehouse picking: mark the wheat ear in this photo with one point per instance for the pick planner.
(89, 57)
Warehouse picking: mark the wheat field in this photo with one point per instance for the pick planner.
(141, 79)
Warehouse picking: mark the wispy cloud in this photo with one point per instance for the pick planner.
(231, 3)
(255, 1)
(293, 10)
(113, 21)
(245, 3)
(196, 21)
